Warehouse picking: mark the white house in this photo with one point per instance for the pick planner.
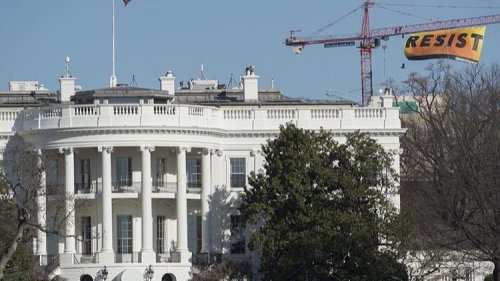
(154, 174)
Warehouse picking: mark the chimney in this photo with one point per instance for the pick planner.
(67, 88)
(387, 98)
(167, 83)
(251, 85)
(66, 83)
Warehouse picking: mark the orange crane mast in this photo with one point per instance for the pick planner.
(369, 39)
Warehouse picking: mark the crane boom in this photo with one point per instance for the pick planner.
(369, 39)
(394, 30)
(437, 25)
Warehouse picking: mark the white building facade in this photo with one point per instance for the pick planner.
(151, 177)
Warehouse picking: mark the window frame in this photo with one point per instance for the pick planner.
(85, 173)
(161, 171)
(237, 239)
(160, 234)
(193, 179)
(86, 232)
(124, 233)
(198, 238)
(128, 180)
(236, 178)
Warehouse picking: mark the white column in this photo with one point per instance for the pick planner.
(69, 203)
(147, 253)
(107, 254)
(181, 200)
(41, 215)
(206, 178)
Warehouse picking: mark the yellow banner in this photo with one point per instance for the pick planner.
(463, 44)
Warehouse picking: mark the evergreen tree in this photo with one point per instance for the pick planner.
(322, 210)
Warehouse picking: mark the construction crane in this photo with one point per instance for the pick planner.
(370, 39)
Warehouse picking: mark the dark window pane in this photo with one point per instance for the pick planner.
(237, 235)
(237, 172)
(124, 232)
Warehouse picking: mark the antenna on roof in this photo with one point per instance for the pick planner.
(272, 83)
(232, 83)
(202, 74)
(133, 83)
(67, 72)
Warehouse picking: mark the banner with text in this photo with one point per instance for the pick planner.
(463, 44)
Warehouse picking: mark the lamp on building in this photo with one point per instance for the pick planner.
(104, 273)
(149, 272)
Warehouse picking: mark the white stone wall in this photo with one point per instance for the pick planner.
(227, 132)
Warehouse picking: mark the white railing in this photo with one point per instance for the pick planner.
(53, 112)
(238, 113)
(190, 116)
(281, 113)
(325, 113)
(8, 115)
(369, 113)
(85, 110)
(125, 109)
(164, 110)
(195, 111)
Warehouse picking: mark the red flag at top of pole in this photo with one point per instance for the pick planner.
(126, 2)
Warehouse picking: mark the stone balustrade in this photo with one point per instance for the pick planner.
(238, 118)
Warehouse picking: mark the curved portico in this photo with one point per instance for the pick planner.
(143, 171)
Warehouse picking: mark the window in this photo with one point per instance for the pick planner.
(194, 233)
(124, 171)
(52, 238)
(86, 236)
(193, 168)
(85, 172)
(160, 171)
(54, 173)
(237, 235)
(160, 234)
(124, 232)
(238, 172)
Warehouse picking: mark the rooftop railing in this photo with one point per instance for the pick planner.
(239, 118)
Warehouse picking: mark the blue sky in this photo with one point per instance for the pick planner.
(153, 36)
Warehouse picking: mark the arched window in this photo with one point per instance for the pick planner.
(168, 277)
(86, 277)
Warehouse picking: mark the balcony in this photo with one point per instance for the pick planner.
(160, 187)
(86, 188)
(206, 259)
(239, 118)
(173, 257)
(119, 187)
(126, 187)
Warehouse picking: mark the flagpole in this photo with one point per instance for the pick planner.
(112, 79)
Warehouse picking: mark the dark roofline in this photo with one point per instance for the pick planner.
(122, 91)
(28, 98)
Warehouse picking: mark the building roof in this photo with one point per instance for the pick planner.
(231, 97)
(121, 92)
(208, 97)
(27, 98)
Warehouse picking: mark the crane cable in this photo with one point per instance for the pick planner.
(336, 21)
(404, 13)
(440, 6)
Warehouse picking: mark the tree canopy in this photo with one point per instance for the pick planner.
(452, 159)
(22, 265)
(20, 182)
(321, 210)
